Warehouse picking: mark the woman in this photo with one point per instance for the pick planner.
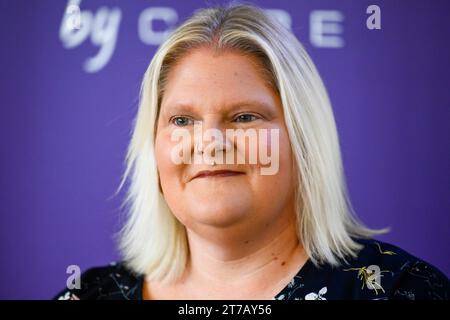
(277, 227)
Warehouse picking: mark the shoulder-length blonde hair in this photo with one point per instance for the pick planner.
(153, 242)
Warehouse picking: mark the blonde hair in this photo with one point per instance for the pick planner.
(153, 242)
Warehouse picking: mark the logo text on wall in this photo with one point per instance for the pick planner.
(102, 27)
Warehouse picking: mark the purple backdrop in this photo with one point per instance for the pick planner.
(64, 124)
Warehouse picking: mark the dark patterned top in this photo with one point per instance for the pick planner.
(381, 271)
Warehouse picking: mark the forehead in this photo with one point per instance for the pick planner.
(204, 77)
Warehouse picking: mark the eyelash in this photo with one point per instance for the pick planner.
(173, 119)
(255, 117)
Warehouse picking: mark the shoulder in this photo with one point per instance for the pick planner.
(112, 282)
(386, 268)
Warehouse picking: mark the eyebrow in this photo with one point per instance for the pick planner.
(187, 107)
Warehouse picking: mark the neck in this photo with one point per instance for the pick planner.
(244, 261)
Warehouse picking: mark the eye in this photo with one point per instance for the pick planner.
(246, 117)
(181, 121)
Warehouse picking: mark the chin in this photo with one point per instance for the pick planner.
(220, 213)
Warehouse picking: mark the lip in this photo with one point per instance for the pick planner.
(216, 174)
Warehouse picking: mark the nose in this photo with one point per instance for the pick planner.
(210, 138)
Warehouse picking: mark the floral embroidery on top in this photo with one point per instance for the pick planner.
(391, 253)
(368, 276)
(293, 286)
(317, 296)
(68, 296)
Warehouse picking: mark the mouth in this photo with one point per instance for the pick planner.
(216, 174)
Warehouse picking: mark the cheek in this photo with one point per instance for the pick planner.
(272, 151)
(286, 171)
(279, 171)
(285, 152)
(169, 172)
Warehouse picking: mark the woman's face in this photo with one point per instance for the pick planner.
(223, 91)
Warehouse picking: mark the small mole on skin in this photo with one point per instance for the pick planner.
(276, 258)
(283, 263)
(246, 242)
